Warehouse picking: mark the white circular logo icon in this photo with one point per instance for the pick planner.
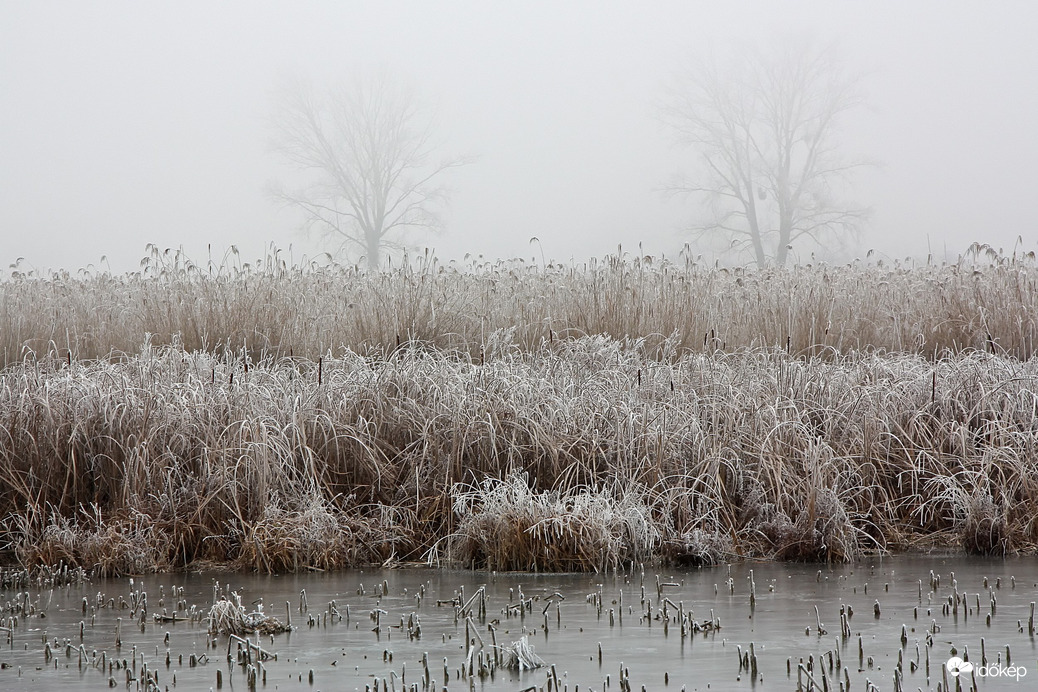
(956, 665)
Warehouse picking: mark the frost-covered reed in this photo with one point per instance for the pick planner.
(579, 453)
(281, 307)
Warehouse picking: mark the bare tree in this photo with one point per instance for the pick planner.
(365, 151)
(764, 130)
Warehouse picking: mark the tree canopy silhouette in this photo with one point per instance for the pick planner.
(764, 130)
(365, 151)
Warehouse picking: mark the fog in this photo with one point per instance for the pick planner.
(123, 124)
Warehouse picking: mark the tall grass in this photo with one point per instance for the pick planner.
(276, 306)
(584, 452)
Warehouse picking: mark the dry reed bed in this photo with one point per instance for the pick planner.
(584, 453)
(986, 301)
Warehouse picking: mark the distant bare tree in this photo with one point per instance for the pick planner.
(366, 152)
(764, 130)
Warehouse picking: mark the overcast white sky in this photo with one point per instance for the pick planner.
(124, 123)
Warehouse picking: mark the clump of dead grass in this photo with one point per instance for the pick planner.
(312, 536)
(699, 548)
(520, 655)
(821, 531)
(229, 616)
(984, 529)
(505, 524)
(107, 548)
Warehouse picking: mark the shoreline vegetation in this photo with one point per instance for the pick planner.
(515, 417)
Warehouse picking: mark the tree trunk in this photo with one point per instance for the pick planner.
(373, 249)
(755, 236)
(785, 231)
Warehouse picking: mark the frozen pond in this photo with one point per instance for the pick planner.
(598, 632)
